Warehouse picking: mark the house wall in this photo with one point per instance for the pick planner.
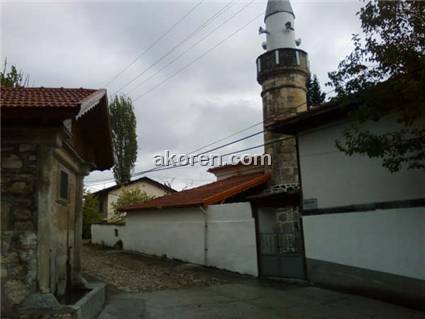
(62, 222)
(148, 188)
(379, 253)
(362, 231)
(18, 223)
(335, 179)
(390, 241)
(180, 233)
(39, 241)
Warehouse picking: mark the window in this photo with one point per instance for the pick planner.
(64, 186)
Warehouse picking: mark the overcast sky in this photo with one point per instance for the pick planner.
(178, 108)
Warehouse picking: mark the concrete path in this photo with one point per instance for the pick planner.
(243, 300)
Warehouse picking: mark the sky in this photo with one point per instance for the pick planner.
(193, 86)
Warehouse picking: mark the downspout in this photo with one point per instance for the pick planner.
(204, 211)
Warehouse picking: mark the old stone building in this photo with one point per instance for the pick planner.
(282, 71)
(51, 139)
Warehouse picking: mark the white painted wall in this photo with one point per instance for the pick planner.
(105, 234)
(180, 233)
(176, 233)
(391, 241)
(231, 238)
(336, 179)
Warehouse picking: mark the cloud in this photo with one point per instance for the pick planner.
(84, 44)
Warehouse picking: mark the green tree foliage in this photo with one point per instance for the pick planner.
(128, 197)
(385, 74)
(315, 96)
(124, 138)
(90, 213)
(13, 77)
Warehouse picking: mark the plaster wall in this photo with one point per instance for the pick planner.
(390, 241)
(106, 234)
(177, 233)
(231, 238)
(335, 179)
(181, 233)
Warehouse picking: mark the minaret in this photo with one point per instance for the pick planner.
(282, 71)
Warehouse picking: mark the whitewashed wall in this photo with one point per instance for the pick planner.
(335, 179)
(391, 241)
(105, 234)
(180, 233)
(176, 233)
(231, 238)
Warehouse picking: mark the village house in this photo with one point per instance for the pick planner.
(209, 225)
(269, 241)
(364, 227)
(108, 196)
(51, 139)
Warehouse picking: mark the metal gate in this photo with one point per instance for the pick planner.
(281, 252)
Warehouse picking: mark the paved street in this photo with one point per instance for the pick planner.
(246, 301)
(146, 287)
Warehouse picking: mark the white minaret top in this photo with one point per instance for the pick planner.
(280, 29)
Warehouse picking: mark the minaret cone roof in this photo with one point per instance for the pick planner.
(274, 6)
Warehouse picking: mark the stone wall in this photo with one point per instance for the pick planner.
(18, 223)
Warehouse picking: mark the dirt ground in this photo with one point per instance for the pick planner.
(134, 272)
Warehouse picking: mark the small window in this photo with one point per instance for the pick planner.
(64, 186)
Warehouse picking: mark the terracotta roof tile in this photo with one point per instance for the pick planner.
(204, 195)
(43, 97)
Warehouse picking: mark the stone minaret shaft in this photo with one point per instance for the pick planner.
(282, 72)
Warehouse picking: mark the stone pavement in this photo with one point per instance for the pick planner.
(247, 300)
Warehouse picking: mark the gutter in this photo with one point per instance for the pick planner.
(204, 211)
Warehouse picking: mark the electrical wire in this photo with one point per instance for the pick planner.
(154, 43)
(197, 59)
(191, 47)
(201, 27)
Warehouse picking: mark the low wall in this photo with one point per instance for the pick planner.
(229, 242)
(176, 233)
(106, 234)
(378, 253)
(231, 238)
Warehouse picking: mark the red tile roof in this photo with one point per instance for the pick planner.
(43, 97)
(204, 195)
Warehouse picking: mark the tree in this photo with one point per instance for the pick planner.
(315, 96)
(90, 213)
(385, 74)
(128, 197)
(13, 78)
(124, 138)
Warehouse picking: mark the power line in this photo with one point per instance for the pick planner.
(197, 59)
(222, 155)
(192, 46)
(201, 27)
(199, 154)
(224, 145)
(225, 138)
(155, 42)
